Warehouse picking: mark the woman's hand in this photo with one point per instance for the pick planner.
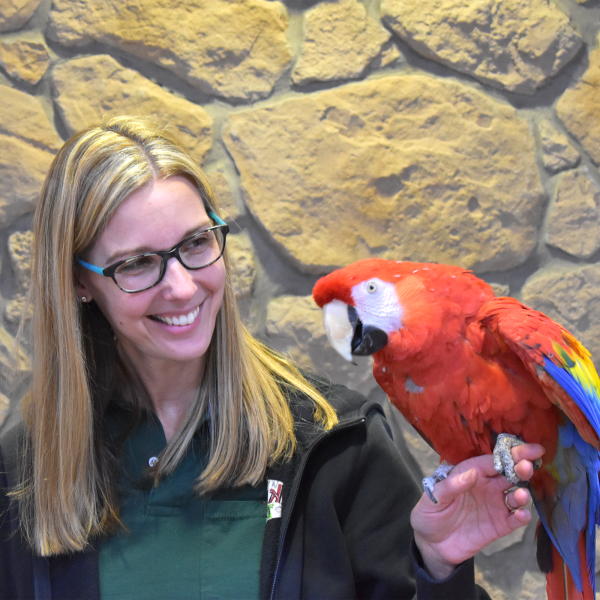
(471, 511)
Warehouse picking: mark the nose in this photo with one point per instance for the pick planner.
(178, 282)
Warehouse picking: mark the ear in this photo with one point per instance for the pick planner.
(82, 288)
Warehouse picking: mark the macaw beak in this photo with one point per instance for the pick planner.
(347, 334)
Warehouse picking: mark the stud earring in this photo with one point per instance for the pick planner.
(84, 298)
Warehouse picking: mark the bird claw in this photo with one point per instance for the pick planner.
(439, 474)
(503, 460)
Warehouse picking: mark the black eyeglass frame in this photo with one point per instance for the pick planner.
(165, 255)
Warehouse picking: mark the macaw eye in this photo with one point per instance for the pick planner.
(371, 287)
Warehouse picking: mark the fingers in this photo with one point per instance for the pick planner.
(455, 485)
(518, 498)
(524, 456)
(527, 452)
(522, 516)
(517, 501)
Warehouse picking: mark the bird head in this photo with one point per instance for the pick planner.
(360, 306)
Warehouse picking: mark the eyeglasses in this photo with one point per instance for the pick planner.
(143, 271)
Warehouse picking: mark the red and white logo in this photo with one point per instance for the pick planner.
(274, 490)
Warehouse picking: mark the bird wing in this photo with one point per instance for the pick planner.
(554, 356)
(564, 368)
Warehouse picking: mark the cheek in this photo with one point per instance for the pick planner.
(215, 281)
(120, 310)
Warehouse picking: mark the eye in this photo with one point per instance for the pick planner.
(198, 243)
(138, 264)
(371, 287)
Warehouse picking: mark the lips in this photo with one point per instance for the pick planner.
(179, 320)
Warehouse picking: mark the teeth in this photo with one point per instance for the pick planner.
(181, 320)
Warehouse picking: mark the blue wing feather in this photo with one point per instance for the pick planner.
(574, 458)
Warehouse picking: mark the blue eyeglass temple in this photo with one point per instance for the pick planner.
(101, 271)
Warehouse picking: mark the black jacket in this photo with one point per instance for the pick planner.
(344, 531)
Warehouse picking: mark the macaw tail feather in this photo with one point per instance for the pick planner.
(559, 582)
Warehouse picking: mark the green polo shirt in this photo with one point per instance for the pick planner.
(179, 546)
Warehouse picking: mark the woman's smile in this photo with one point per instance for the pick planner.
(180, 320)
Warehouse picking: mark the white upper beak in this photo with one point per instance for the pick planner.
(338, 327)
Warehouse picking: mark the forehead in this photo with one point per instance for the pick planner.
(154, 217)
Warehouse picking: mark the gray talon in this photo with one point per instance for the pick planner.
(439, 475)
(503, 460)
(428, 484)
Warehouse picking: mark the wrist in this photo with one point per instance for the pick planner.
(435, 566)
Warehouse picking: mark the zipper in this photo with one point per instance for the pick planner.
(292, 500)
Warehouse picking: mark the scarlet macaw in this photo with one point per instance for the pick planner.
(463, 367)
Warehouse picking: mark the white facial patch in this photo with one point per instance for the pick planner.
(377, 304)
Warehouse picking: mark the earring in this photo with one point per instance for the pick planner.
(84, 298)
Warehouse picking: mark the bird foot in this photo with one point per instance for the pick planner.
(439, 474)
(503, 460)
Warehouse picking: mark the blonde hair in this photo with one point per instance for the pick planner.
(67, 492)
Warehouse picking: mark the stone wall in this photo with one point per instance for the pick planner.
(465, 132)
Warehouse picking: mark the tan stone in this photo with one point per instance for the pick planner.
(232, 48)
(574, 217)
(27, 143)
(390, 55)
(401, 167)
(20, 249)
(511, 44)
(89, 88)
(558, 153)
(24, 60)
(222, 191)
(572, 298)
(340, 40)
(4, 408)
(533, 586)
(22, 117)
(243, 263)
(13, 362)
(500, 289)
(579, 109)
(15, 13)
(493, 591)
(295, 326)
(18, 309)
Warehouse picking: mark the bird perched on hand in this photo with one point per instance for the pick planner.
(465, 368)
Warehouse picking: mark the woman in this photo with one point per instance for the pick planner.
(156, 424)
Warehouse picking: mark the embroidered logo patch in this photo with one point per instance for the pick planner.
(274, 488)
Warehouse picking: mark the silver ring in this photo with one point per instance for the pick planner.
(510, 508)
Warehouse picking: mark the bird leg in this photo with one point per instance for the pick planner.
(438, 475)
(503, 460)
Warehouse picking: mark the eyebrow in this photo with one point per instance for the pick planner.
(125, 254)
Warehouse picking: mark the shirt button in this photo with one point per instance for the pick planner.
(153, 461)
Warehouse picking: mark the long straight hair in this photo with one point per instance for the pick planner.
(67, 491)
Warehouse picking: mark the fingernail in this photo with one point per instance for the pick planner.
(466, 477)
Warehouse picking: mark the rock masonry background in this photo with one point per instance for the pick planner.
(465, 132)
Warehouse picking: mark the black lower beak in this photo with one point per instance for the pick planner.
(367, 340)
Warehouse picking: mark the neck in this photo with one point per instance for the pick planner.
(172, 389)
